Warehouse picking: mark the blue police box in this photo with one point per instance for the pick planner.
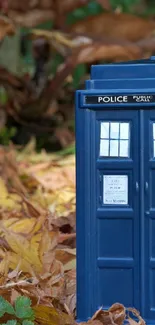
(115, 157)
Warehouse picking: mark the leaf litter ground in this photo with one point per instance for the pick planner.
(37, 237)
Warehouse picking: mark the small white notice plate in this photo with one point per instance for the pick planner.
(115, 189)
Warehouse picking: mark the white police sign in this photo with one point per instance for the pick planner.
(106, 99)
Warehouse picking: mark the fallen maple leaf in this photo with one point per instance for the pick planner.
(48, 315)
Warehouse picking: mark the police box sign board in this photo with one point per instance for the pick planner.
(119, 99)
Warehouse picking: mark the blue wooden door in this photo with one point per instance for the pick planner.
(117, 251)
(148, 217)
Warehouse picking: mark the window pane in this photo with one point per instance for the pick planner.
(153, 131)
(124, 131)
(105, 130)
(113, 148)
(153, 148)
(124, 148)
(114, 130)
(104, 148)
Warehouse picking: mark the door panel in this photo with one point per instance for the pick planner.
(149, 215)
(118, 214)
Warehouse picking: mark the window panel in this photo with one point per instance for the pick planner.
(114, 130)
(124, 131)
(124, 148)
(113, 148)
(104, 148)
(105, 130)
(114, 139)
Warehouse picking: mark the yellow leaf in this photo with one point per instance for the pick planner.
(24, 249)
(48, 242)
(8, 201)
(50, 316)
(47, 247)
(35, 240)
(8, 223)
(2, 253)
(4, 265)
(25, 225)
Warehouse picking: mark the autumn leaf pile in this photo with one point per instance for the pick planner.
(37, 237)
(37, 228)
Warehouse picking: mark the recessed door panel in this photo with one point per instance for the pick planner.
(117, 213)
(148, 253)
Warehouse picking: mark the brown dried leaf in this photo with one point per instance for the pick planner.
(70, 278)
(131, 322)
(7, 27)
(118, 26)
(118, 313)
(90, 49)
(14, 295)
(70, 302)
(92, 322)
(57, 178)
(105, 4)
(114, 316)
(31, 18)
(67, 257)
(70, 290)
(64, 237)
(108, 52)
(137, 314)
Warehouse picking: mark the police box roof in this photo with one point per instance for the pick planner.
(142, 69)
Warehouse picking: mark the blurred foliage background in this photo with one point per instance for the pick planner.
(47, 48)
(18, 56)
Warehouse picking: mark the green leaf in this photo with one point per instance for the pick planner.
(27, 322)
(9, 308)
(11, 322)
(2, 306)
(5, 307)
(67, 151)
(23, 308)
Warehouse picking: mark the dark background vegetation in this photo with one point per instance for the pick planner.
(36, 95)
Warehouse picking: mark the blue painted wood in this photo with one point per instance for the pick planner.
(149, 216)
(118, 226)
(116, 243)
